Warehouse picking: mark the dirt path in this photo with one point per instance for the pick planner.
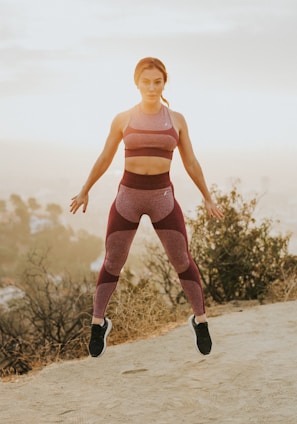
(250, 377)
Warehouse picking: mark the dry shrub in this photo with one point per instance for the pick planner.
(140, 310)
(283, 290)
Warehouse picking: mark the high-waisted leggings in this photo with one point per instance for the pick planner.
(150, 195)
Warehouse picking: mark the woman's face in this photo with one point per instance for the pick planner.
(151, 85)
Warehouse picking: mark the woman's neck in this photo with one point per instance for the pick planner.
(150, 107)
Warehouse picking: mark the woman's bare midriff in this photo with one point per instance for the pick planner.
(147, 165)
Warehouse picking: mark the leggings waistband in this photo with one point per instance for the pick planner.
(145, 182)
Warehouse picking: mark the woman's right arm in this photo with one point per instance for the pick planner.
(102, 163)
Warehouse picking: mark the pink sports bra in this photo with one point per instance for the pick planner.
(150, 134)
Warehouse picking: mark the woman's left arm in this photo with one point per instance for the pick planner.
(193, 167)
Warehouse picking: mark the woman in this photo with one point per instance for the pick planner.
(150, 132)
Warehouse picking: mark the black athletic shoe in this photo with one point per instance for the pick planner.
(202, 338)
(99, 334)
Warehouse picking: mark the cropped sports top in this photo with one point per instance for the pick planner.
(150, 134)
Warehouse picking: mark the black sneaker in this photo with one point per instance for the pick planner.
(202, 338)
(99, 334)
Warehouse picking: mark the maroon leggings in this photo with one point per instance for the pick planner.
(150, 195)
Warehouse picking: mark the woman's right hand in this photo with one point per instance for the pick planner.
(77, 201)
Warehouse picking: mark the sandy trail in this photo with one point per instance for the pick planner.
(250, 377)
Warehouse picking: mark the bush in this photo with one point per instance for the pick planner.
(284, 288)
(16, 349)
(237, 257)
(48, 322)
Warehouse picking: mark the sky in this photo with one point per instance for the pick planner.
(66, 68)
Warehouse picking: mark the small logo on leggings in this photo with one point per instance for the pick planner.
(165, 193)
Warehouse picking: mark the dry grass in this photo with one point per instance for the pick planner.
(283, 290)
(140, 311)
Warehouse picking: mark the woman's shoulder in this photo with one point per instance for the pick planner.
(175, 114)
(177, 118)
(126, 114)
(122, 118)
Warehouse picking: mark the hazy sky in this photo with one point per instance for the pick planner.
(66, 68)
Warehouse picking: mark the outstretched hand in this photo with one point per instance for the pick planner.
(77, 201)
(213, 210)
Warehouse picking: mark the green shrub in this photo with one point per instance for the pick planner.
(238, 257)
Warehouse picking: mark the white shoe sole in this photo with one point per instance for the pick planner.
(194, 332)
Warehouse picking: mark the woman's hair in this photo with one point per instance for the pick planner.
(151, 63)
